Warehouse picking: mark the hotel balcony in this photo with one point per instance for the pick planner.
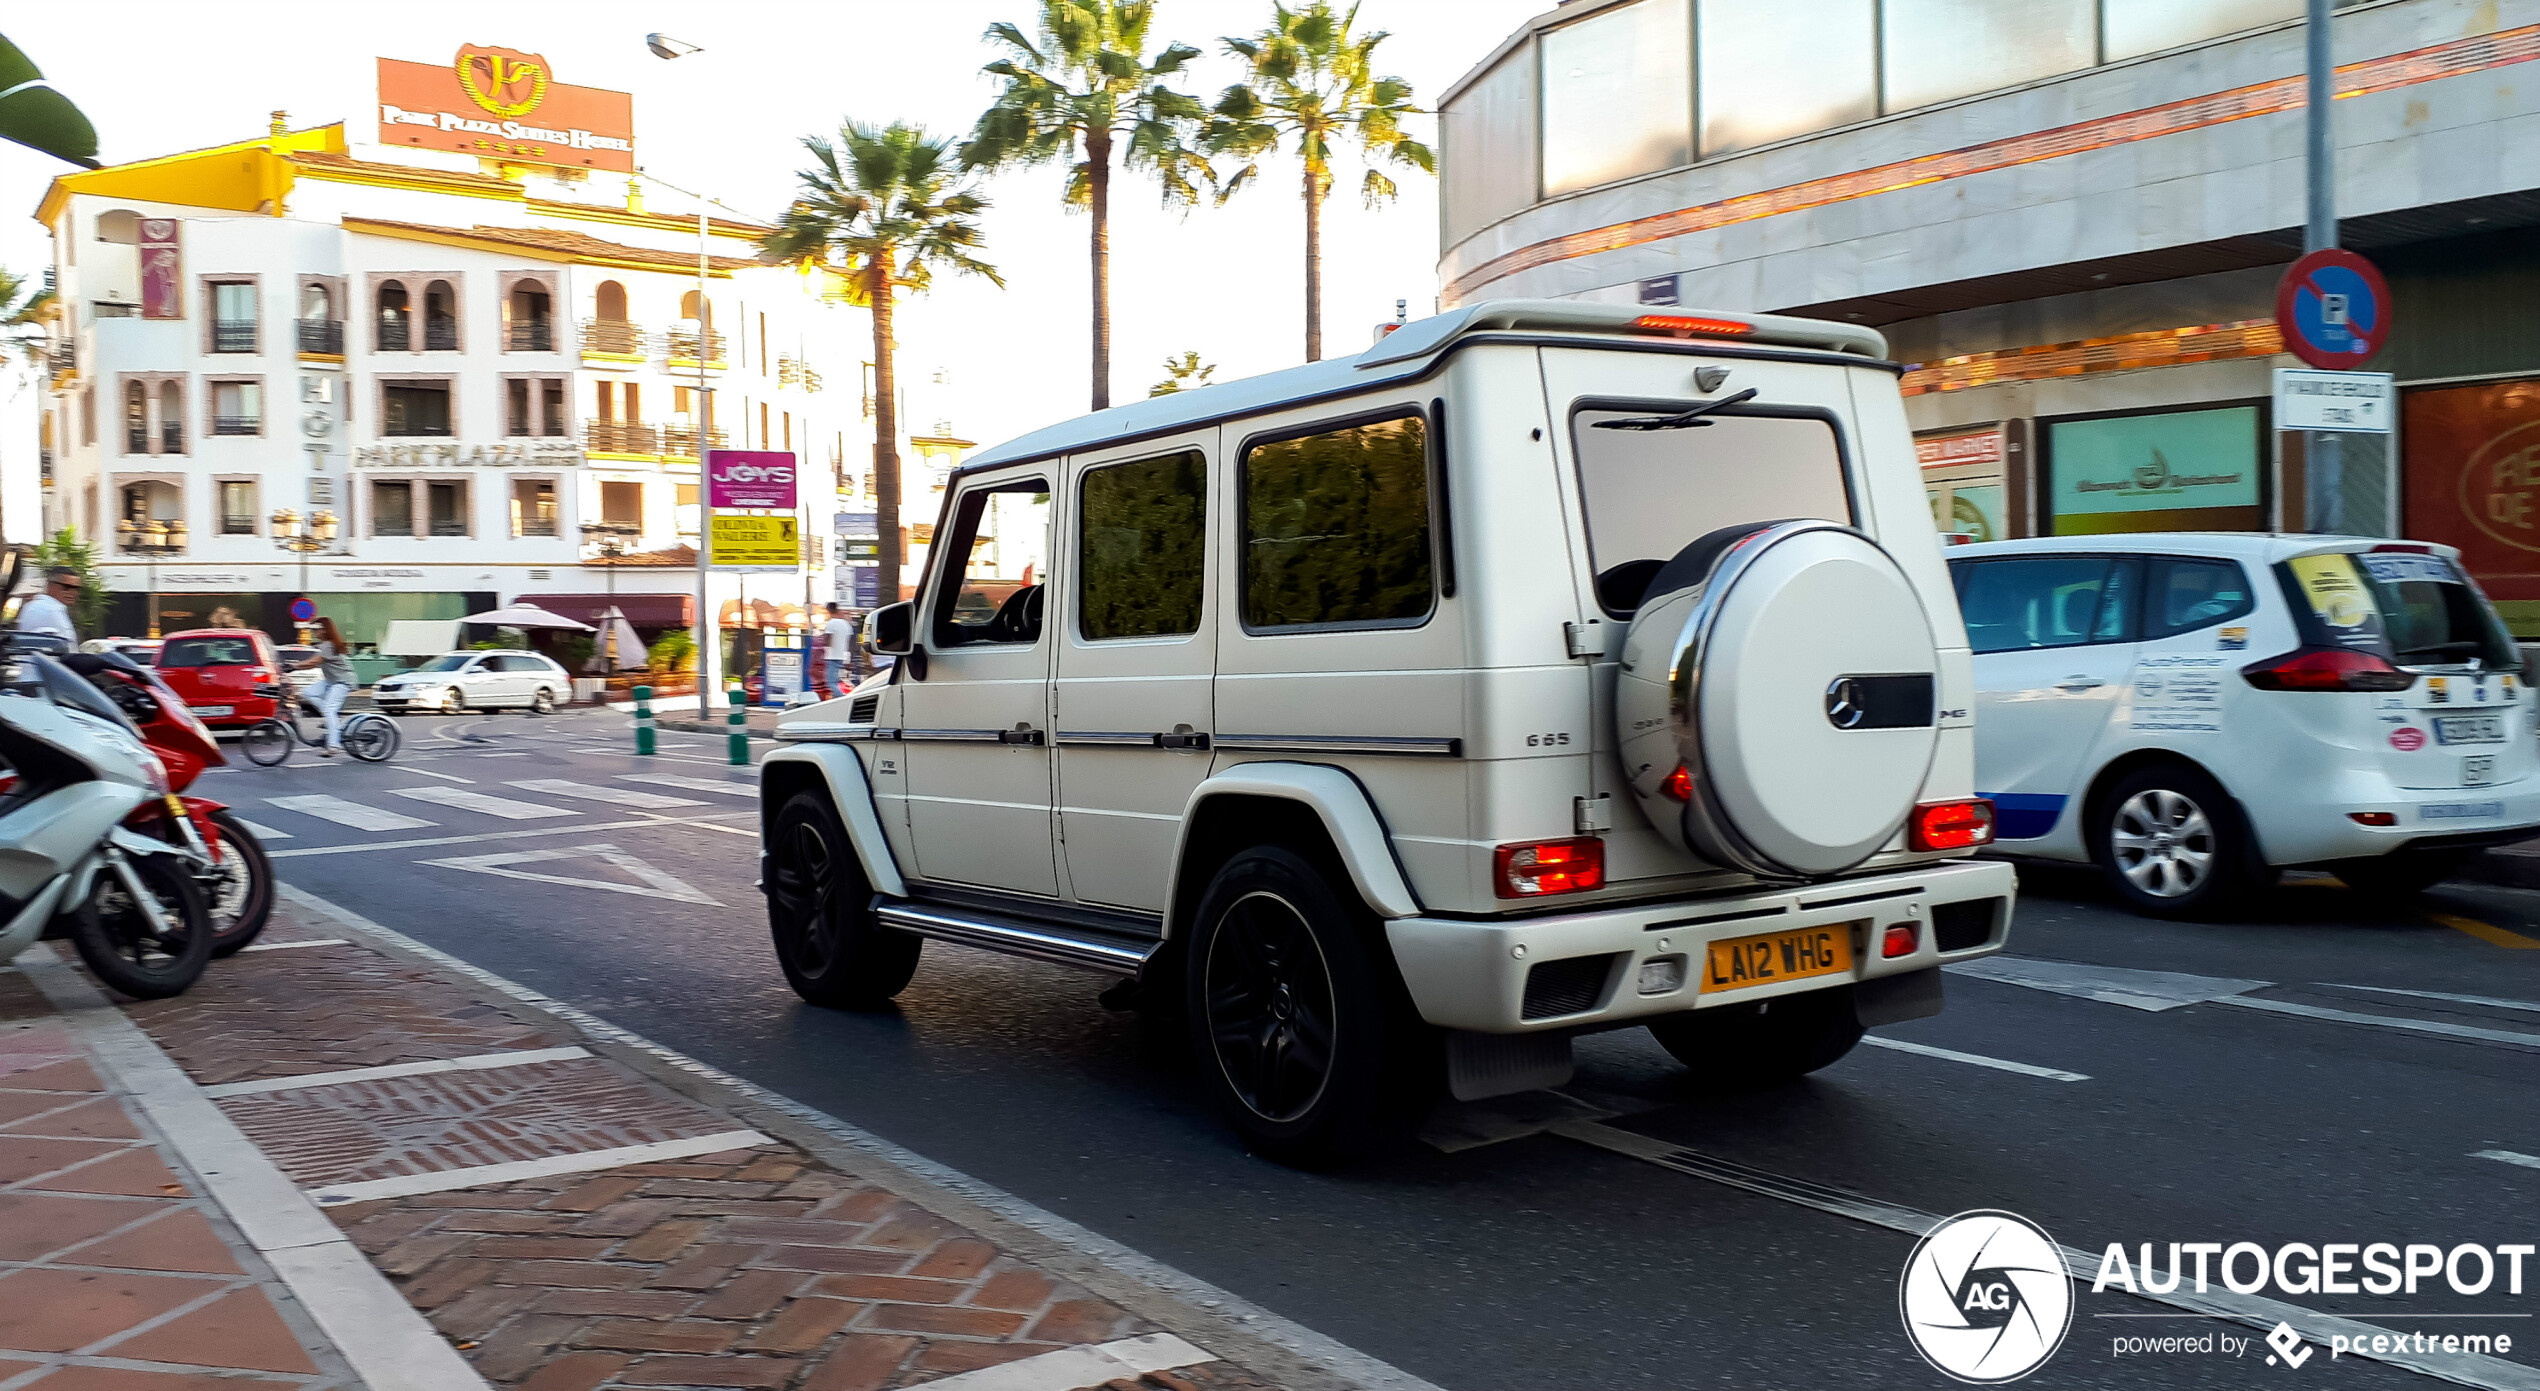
(613, 340)
(322, 337)
(681, 347)
(621, 437)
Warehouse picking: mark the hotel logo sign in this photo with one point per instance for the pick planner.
(503, 104)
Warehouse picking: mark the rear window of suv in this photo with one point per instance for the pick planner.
(208, 652)
(2414, 608)
(1649, 493)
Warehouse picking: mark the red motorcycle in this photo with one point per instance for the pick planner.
(238, 882)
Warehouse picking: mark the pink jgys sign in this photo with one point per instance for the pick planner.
(750, 478)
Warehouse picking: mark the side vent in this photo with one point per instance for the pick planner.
(1965, 924)
(1571, 986)
(862, 709)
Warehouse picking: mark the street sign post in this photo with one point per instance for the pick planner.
(751, 545)
(2361, 403)
(2334, 309)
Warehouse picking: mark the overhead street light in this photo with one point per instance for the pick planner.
(664, 46)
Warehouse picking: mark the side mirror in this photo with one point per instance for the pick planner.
(889, 629)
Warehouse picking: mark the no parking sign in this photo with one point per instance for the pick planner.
(2334, 309)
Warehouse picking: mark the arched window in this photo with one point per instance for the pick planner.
(119, 225)
(396, 318)
(610, 302)
(532, 328)
(316, 303)
(136, 419)
(440, 317)
(171, 418)
(688, 309)
(686, 343)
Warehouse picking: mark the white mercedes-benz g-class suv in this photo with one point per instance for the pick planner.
(1548, 667)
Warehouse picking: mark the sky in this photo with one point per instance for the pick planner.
(159, 76)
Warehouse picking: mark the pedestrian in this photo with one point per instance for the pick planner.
(838, 644)
(335, 681)
(50, 611)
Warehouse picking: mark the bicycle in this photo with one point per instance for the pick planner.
(367, 735)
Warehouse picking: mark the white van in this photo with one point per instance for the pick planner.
(1547, 667)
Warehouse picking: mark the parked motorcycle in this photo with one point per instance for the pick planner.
(69, 866)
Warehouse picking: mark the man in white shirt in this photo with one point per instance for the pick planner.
(838, 640)
(49, 612)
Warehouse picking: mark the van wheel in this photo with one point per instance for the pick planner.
(543, 703)
(1297, 1036)
(2401, 873)
(819, 908)
(2171, 843)
(1764, 1044)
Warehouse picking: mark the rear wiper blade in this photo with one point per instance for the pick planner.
(1687, 420)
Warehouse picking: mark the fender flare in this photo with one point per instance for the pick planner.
(1349, 818)
(842, 774)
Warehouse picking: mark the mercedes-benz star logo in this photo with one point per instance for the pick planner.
(1846, 705)
(1985, 1297)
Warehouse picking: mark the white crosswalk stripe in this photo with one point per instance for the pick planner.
(729, 789)
(614, 796)
(263, 832)
(484, 803)
(353, 814)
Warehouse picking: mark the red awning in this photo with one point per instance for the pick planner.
(642, 610)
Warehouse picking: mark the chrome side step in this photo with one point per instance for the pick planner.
(996, 932)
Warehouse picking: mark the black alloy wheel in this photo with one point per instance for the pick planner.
(820, 912)
(1271, 1014)
(117, 939)
(238, 891)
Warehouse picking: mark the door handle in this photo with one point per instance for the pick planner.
(1020, 734)
(1184, 739)
(2079, 683)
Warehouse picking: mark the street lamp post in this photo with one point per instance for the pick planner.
(611, 540)
(709, 639)
(151, 540)
(304, 537)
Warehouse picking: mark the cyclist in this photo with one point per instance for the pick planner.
(335, 681)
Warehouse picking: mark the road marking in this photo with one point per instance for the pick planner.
(429, 773)
(2052, 1074)
(2383, 1021)
(2487, 932)
(2113, 985)
(2488, 1000)
(479, 1062)
(1124, 1360)
(263, 832)
(502, 755)
(2252, 1311)
(303, 942)
(485, 837)
(479, 1175)
(2528, 1161)
(482, 803)
(353, 814)
(658, 883)
(730, 789)
(617, 796)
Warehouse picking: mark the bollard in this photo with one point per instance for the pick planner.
(740, 721)
(643, 719)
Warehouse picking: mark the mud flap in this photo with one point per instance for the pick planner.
(1487, 1065)
(1895, 999)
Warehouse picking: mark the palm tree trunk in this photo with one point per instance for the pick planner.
(886, 430)
(1098, 156)
(1313, 266)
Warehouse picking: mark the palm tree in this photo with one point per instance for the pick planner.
(23, 302)
(1085, 90)
(1183, 372)
(1314, 80)
(886, 206)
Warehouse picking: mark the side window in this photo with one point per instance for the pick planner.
(2185, 595)
(1143, 547)
(990, 589)
(1336, 529)
(2048, 601)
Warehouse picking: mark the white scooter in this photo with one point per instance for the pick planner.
(75, 769)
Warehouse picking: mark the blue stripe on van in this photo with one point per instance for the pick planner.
(2024, 815)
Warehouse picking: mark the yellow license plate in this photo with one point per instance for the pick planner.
(1775, 956)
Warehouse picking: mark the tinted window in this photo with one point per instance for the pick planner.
(995, 558)
(1145, 543)
(2415, 608)
(1336, 528)
(448, 661)
(2049, 601)
(1650, 493)
(208, 652)
(2184, 595)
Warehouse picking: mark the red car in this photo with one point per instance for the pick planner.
(219, 672)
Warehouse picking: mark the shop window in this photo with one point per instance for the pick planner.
(446, 505)
(414, 408)
(533, 507)
(392, 508)
(622, 503)
(237, 508)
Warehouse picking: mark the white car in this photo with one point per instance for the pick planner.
(459, 681)
(2195, 712)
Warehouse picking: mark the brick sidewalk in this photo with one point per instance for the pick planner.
(761, 1266)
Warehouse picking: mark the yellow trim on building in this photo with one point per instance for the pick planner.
(335, 358)
(658, 222)
(242, 176)
(509, 247)
(418, 181)
(614, 359)
(602, 456)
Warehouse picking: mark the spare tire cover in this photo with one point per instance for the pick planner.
(1789, 668)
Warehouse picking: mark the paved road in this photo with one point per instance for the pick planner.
(2261, 1093)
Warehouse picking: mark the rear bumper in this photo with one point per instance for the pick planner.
(1467, 974)
(2316, 831)
(244, 711)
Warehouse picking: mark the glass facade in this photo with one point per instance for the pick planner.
(1763, 78)
(1936, 50)
(1617, 95)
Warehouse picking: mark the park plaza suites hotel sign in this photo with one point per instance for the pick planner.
(503, 104)
(517, 453)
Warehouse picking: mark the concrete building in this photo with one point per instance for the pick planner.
(2069, 217)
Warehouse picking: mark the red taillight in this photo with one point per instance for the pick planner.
(2373, 818)
(1901, 940)
(1679, 784)
(2326, 669)
(1951, 825)
(1548, 867)
(1687, 323)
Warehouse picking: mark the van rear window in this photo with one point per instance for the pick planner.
(1650, 493)
(208, 652)
(2414, 608)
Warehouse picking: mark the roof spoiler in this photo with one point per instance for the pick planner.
(1587, 316)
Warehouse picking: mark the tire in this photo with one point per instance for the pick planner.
(819, 910)
(2401, 874)
(1764, 1044)
(451, 704)
(2171, 843)
(115, 939)
(372, 738)
(1296, 1021)
(543, 703)
(266, 743)
(240, 894)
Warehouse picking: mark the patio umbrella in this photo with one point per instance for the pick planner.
(523, 616)
(630, 648)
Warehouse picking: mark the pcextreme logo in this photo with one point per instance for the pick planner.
(504, 81)
(1985, 1297)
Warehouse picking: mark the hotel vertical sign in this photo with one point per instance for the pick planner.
(504, 104)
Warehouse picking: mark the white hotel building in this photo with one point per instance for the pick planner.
(464, 361)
